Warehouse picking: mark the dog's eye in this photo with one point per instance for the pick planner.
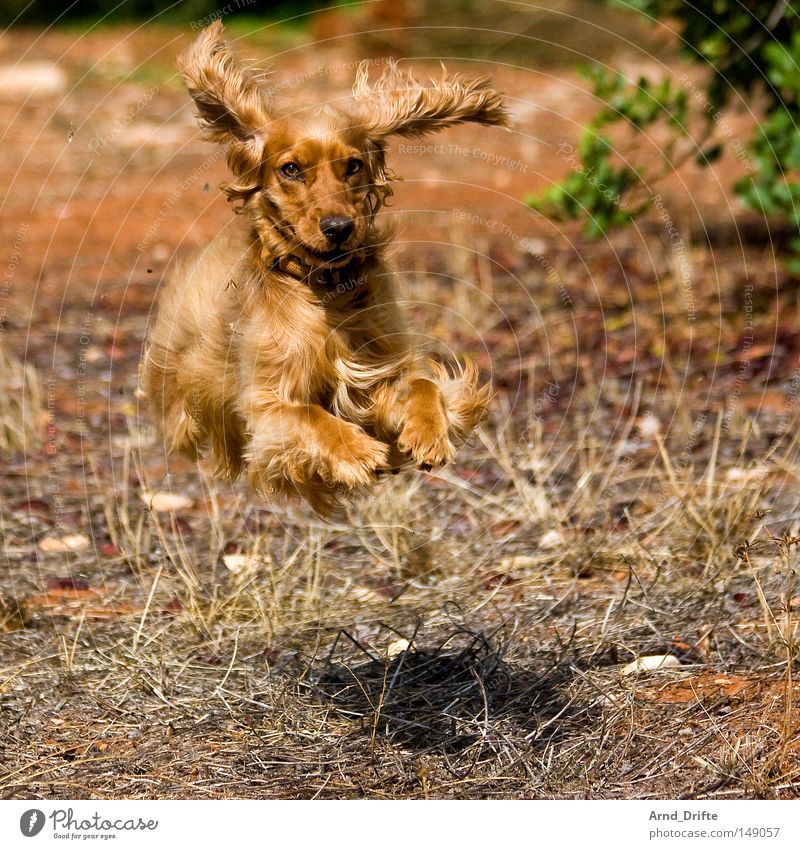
(354, 166)
(290, 169)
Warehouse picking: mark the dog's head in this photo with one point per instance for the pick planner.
(315, 179)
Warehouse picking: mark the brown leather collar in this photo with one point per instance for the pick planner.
(294, 267)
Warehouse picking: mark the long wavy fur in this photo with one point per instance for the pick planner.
(398, 104)
(275, 355)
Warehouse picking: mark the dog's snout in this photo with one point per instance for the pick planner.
(337, 228)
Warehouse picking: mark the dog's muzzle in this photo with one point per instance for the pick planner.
(337, 228)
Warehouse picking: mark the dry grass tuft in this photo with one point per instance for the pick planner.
(22, 412)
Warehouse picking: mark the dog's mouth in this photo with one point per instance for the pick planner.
(331, 258)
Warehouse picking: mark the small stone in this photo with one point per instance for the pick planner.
(71, 542)
(166, 502)
(551, 539)
(518, 561)
(397, 647)
(237, 563)
(366, 595)
(649, 425)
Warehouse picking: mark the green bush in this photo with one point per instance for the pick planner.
(748, 49)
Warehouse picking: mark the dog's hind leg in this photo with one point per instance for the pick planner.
(171, 407)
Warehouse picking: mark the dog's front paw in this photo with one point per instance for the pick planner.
(347, 456)
(426, 438)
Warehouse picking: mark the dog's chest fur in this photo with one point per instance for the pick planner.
(315, 344)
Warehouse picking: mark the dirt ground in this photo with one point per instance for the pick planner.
(464, 634)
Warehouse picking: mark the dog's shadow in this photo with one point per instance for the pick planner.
(450, 700)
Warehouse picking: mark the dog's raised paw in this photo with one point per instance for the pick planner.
(350, 457)
(427, 442)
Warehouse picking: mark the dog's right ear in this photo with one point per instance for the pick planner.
(231, 108)
(230, 105)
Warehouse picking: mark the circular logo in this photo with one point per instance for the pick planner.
(31, 822)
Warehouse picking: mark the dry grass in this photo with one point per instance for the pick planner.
(458, 635)
(22, 409)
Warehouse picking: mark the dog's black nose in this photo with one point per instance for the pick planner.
(337, 228)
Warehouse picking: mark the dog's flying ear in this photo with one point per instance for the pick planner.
(231, 108)
(230, 105)
(397, 104)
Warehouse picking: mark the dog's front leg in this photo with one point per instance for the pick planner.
(303, 449)
(412, 413)
(425, 433)
(430, 414)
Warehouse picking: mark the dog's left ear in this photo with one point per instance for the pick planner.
(397, 104)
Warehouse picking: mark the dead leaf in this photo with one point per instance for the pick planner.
(79, 602)
(651, 663)
(704, 687)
